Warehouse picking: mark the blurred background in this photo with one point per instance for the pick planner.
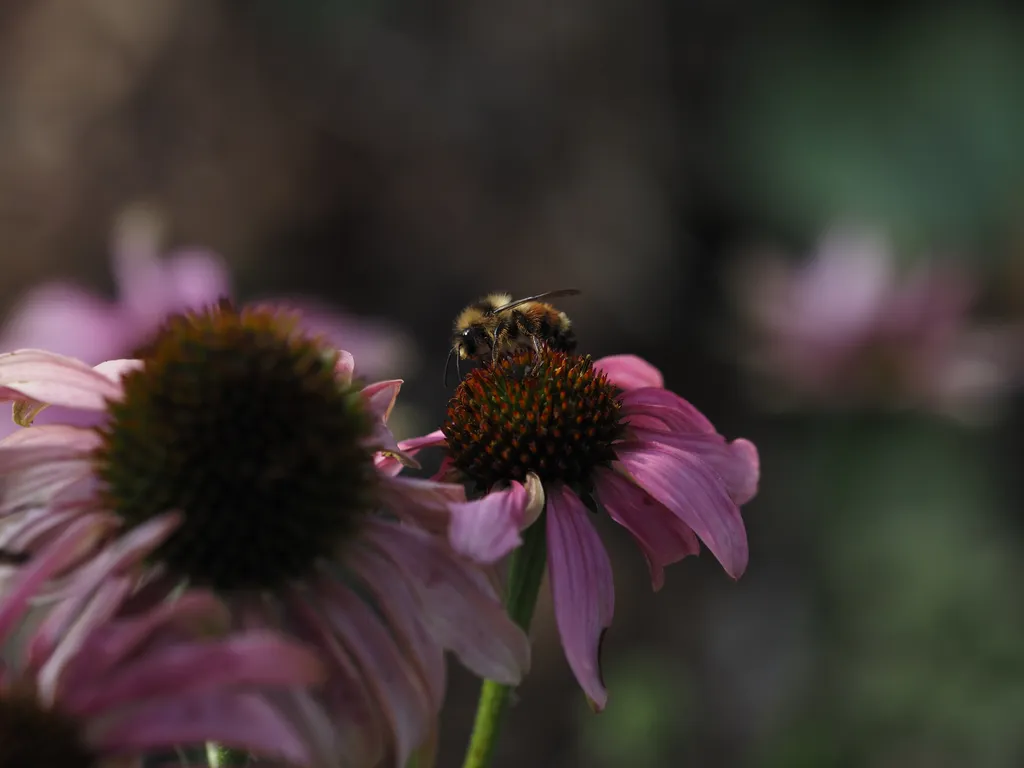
(807, 215)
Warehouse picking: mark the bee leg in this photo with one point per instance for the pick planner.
(501, 334)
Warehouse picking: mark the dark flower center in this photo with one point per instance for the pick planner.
(549, 413)
(239, 422)
(32, 736)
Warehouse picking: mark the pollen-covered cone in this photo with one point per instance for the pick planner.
(246, 450)
(570, 436)
(97, 686)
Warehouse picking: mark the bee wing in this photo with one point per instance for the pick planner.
(538, 297)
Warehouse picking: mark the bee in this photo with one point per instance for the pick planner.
(497, 325)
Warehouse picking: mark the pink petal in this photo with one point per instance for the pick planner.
(68, 321)
(241, 721)
(676, 413)
(381, 397)
(28, 448)
(390, 465)
(460, 607)
(416, 444)
(377, 345)
(425, 503)
(582, 589)
(630, 372)
(662, 537)
(192, 279)
(695, 493)
(116, 369)
(737, 462)
(345, 367)
(488, 528)
(54, 379)
(70, 621)
(51, 483)
(401, 608)
(193, 613)
(252, 659)
(80, 536)
(397, 688)
(126, 551)
(100, 608)
(357, 727)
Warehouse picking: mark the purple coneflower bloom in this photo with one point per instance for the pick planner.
(850, 328)
(97, 687)
(69, 320)
(568, 436)
(248, 452)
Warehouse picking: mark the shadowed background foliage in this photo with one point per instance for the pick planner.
(400, 157)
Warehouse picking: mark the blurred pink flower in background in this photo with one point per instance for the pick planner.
(92, 688)
(70, 320)
(849, 328)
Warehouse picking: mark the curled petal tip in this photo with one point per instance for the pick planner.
(534, 500)
(24, 412)
(403, 458)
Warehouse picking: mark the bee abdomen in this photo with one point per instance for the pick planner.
(562, 340)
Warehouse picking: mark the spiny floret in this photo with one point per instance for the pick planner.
(238, 421)
(31, 735)
(547, 412)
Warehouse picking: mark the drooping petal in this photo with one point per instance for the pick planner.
(69, 622)
(243, 721)
(80, 536)
(662, 537)
(194, 612)
(401, 607)
(487, 529)
(54, 484)
(582, 589)
(737, 462)
(28, 448)
(630, 372)
(695, 493)
(128, 549)
(423, 502)
(399, 691)
(461, 609)
(54, 379)
(99, 608)
(676, 413)
(357, 727)
(253, 659)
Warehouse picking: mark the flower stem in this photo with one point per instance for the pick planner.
(222, 757)
(524, 578)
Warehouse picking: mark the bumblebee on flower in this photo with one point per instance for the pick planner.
(557, 433)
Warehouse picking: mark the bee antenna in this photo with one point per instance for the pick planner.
(448, 365)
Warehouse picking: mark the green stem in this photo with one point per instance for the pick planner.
(524, 578)
(222, 757)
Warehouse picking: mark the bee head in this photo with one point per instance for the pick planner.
(471, 342)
